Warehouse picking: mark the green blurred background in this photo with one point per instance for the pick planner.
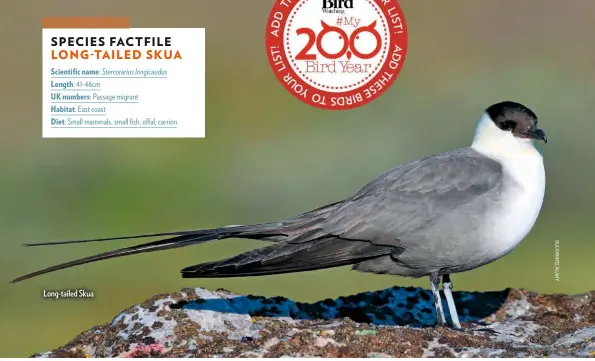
(267, 156)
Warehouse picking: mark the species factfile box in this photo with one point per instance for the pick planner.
(113, 81)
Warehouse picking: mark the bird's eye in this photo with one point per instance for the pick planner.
(508, 125)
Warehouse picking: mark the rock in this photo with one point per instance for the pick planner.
(396, 322)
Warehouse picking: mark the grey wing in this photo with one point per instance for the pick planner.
(409, 200)
(379, 220)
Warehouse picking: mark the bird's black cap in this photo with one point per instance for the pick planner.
(516, 118)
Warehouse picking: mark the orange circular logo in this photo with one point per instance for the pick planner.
(336, 54)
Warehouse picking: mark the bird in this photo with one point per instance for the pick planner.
(443, 214)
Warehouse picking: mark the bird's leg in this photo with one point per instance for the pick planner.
(447, 286)
(435, 285)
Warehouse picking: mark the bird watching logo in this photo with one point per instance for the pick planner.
(336, 6)
(336, 54)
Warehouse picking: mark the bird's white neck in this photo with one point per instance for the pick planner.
(501, 145)
(523, 188)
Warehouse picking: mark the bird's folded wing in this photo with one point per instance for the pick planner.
(410, 198)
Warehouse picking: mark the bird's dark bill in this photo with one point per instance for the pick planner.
(536, 134)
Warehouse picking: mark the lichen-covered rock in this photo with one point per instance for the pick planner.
(396, 322)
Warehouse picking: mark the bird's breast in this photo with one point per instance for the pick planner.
(518, 205)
